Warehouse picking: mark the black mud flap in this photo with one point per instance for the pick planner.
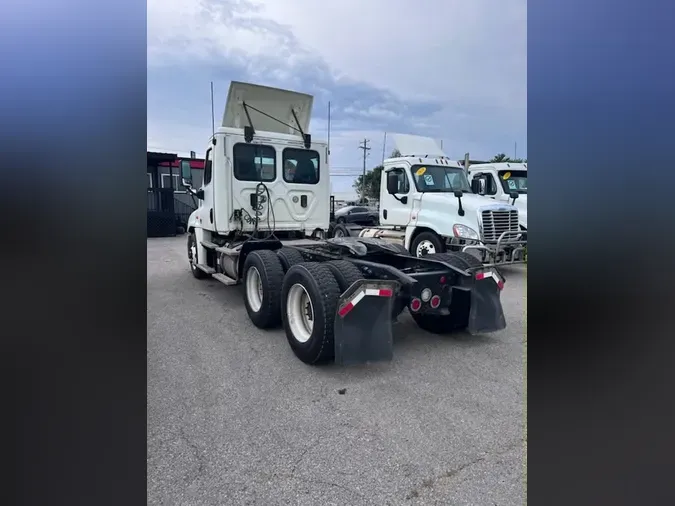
(363, 322)
(486, 313)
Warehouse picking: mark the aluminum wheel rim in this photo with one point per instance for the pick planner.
(254, 289)
(425, 248)
(339, 233)
(300, 313)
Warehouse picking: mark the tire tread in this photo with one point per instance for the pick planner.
(272, 276)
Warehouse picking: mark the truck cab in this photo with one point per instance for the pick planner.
(263, 173)
(427, 197)
(499, 181)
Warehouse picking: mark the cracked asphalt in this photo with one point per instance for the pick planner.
(234, 418)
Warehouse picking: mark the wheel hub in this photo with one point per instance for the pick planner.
(425, 248)
(254, 289)
(300, 313)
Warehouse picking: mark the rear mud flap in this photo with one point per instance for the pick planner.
(486, 313)
(363, 323)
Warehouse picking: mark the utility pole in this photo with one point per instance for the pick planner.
(515, 150)
(329, 127)
(384, 147)
(364, 146)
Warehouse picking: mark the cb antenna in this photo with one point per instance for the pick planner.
(213, 118)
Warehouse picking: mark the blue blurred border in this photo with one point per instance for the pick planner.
(73, 137)
(600, 107)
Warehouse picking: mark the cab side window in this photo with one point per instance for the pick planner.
(491, 185)
(403, 183)
(208, 169)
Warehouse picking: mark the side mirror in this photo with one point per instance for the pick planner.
(479, 185)
(392, 183)
(186, 172)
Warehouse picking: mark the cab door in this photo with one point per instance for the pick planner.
(392, 210)
(206, 215)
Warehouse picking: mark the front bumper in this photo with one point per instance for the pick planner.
(510, 248)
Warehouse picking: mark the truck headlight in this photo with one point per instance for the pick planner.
(464, 232)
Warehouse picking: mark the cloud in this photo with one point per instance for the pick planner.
(452, 70)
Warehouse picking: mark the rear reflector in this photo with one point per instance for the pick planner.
(346, 309)
(372, 292)
(435, 301)
(382, 292)
(491, 274)
(415, 304)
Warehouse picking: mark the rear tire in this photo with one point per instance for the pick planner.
(340, 230)
(470, 259)
(426, 243)
(263, 276)
(289, 257)
(310, 294)
(345, 273)
(193, 257)
(401, 249)
(456, 259)
(438, 324)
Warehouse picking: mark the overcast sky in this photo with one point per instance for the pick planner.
(453, 70)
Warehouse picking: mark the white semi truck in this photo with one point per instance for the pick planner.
(262, 222)
(427, 206)
(500, 181)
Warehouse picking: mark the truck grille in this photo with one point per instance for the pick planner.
(495, 223)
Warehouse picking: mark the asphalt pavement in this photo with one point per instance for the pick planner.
(234, 418)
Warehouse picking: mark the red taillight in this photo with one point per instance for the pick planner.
(435, 301)
(415, 304)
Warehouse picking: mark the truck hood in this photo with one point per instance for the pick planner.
(470, 202)
(521, 205)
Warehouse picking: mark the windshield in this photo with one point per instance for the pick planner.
(514, 181)
(437, 178)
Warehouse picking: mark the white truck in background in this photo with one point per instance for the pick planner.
(427, 206)
(500, 181)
